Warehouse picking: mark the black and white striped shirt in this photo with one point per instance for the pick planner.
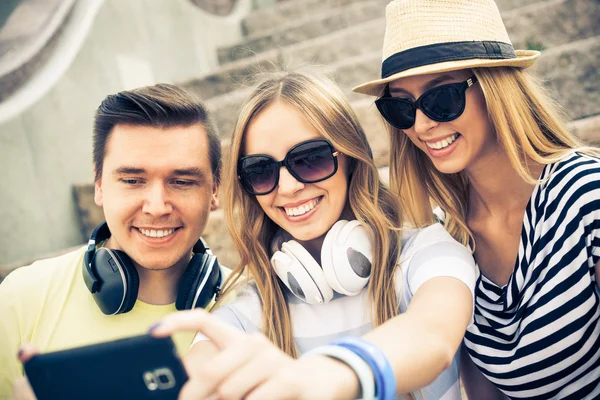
(538, 337)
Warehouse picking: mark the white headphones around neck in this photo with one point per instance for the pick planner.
(346, 258)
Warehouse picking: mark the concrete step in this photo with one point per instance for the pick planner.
(320, 51)
(323, 23)
(552, 23)
(530, 26)
(579, 20)
(570, 71)
(233, 76)
(265, 19)
(290, 11)
(588, 129)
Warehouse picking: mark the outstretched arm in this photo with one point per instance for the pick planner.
(419, 343)
(248, 366)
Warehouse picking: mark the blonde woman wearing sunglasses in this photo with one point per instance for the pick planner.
(326, 273)
(473, 133)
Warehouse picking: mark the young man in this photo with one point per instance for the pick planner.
(157, 161)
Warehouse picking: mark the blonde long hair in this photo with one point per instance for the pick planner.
(322, 103)
(529, 127)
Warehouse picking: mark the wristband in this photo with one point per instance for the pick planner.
(385, 380)
(356, 363)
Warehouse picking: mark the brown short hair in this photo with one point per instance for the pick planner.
(162, 106)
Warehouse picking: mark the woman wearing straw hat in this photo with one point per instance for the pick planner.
(473, 133)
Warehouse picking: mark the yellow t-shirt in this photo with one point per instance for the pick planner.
(48, 304)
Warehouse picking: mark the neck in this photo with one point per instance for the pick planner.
(159, 287)
(495, 187)
(314, 247)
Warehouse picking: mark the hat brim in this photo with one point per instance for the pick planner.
(524, 59)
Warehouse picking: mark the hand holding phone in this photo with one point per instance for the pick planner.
(140, 367)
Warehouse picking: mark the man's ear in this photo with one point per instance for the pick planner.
(214, 199)
(98, 197)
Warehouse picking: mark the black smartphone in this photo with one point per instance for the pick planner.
(139, 367)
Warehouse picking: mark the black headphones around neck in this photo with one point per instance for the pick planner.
(113, 280)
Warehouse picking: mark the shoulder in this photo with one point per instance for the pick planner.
(571, 185)
(37, 278)
(576, 168)
(432, 252)
(415, 240)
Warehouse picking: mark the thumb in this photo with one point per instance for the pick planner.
(27, 351)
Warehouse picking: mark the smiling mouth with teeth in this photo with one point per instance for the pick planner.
(442, 144)
(160, 233)
(301, 210)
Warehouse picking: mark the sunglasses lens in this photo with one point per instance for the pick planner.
(258, 174)
(312, 161)
(398, 112)
(444, 104)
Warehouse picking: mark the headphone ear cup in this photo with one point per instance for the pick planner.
(298, 270)
(119, 281)
(131, 278)
(327, 261)
(188, 285)
(346, 257)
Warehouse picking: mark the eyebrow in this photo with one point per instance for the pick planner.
(129, 171)
(427, 86)
(437, 81)
(194, 172)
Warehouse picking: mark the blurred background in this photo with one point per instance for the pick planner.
(60, 58)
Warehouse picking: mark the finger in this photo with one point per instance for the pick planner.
(244, 379)
(200, 321)
(210, 375)
(27, 351)
(273, 389)
(194, 390)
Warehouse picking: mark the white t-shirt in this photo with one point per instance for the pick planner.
(426, 253)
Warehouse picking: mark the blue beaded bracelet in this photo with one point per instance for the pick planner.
(385, 380)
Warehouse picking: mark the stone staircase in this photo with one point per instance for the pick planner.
(345, 37)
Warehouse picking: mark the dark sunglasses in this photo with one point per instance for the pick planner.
(442, 104)
(309, 162)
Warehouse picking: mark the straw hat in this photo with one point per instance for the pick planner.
(430, 36)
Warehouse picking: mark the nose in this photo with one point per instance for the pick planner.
(288, 185)
(156, 201)
(423, 123)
